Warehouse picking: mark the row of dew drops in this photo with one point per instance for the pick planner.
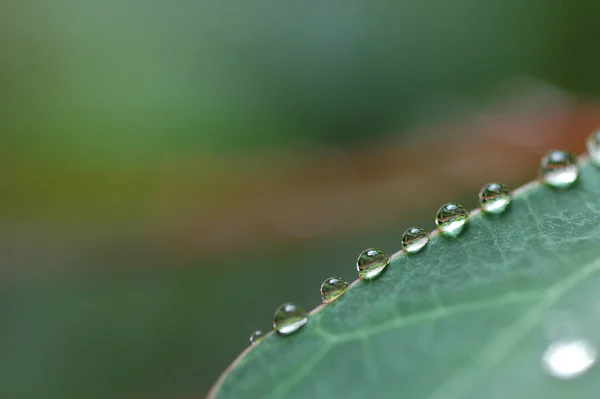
(558, 169)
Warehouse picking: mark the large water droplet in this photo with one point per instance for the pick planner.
(289, 318)
(332, 288)
(414, 239)
(569, 359)
(494, 198)
(559, 169)
(371, 263)
(593, 146)
(256, 336)
(451, 219)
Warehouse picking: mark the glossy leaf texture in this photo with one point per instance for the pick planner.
(468, 317)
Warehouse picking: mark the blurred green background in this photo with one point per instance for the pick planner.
(173, 171)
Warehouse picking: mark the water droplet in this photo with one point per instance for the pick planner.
(593, 146)
(256, 336)
(494, 198)
(371, 263)
(451, 219)
(289, 318)
(559, 169)
(569, 359)
(414, 239)
(333, 288)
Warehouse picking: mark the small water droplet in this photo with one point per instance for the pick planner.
(494, 198)
(414, 239)
(569, 359)
(559, 169)
(451, 219)
(593, 146)
(371, 263)
(289, 318)
(332, 288)
(256, 336)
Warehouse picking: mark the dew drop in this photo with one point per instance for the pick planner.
(371, 263)
(451, 219)
(289, 318)
(256, 336)
(593, 146)
(494, 198)
(332, 288)
(414, 239)
(569, 359)
(559, 169)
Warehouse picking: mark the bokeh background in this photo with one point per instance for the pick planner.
(171, 172)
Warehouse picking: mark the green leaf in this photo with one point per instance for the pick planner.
(468, 317)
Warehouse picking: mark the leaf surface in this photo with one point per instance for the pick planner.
(469, 317)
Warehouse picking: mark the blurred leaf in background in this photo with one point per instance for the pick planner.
(173, 171)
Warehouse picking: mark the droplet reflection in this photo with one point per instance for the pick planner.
(332, 288)
(559, 169)
(451, 219)
(256, 336)
(289, 318)
(371, 263)
(414, 239)
(494, 198)
(593, 146)
(569, 359)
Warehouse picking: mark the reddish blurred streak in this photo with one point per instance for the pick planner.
(275, 198)
(192, 210)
